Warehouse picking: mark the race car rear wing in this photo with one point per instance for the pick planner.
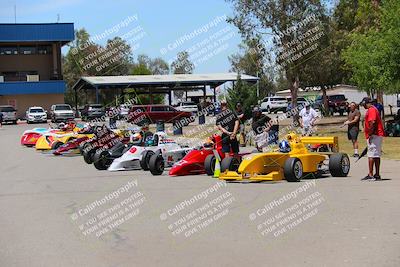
(331, 141)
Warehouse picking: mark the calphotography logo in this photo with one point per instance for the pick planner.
(195, 214)
(106, 214)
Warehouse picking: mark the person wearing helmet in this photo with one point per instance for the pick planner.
(284, 146)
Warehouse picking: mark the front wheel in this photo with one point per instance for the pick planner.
(230, 164)
(293, 170)
(101, 160)
(156, 164)
(144, 162)
(339, 165)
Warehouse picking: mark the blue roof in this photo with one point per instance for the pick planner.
(41, 32)
(28, 88)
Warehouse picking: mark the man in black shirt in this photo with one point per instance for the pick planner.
(228, 123)
(260, 128)
(242, 120)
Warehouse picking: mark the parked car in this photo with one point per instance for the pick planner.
(274, 104)
(9, 114)
(187, 106)
(301, 101)
(213, 108)
(36, 114)
(143, 114)
(336, 103)
(61, 112)
(92, 111)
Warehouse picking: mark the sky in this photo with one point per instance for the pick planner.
(158, 28)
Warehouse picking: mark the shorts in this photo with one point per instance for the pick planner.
(229, 145)
(374, 146)
(352, 134)
(261, 140)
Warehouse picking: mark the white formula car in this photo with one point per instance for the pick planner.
(138, 157)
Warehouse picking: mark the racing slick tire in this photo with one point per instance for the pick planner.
(339, 165)
(293, 170)
(156, 164)
(209, 165)
(82, 147)
(230, 163)
(88, 156)
(101, 160)
(56, 145)
(144, 162)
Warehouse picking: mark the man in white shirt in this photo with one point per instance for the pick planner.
(308, 117)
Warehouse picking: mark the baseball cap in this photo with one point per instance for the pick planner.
(365, 100)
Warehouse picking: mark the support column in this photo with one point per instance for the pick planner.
(169, 97)
(215, 95)
(97, 95)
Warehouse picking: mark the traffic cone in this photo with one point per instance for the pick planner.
(217, 170)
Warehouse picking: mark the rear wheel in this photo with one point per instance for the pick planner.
(88, 156)
(101, 160)
(293, 170)
(230, 163)
(156, 164)
(56, 145)
(209, 164)
(144, 162)
(339, 165)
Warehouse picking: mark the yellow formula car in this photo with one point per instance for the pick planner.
(54, 140)
(291, 162)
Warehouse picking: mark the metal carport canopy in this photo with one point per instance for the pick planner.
(167, 81)
(158, 84)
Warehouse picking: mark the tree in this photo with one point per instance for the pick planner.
(182, 65)
(244, 93)
(155, 66)
(285, 21)
(252, 60)
(147, 66)
(85, 58)
(373, 55)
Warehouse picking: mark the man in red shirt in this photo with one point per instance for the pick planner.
(373, 129)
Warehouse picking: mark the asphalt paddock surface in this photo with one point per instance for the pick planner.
(63, 212)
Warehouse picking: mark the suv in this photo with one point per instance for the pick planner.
(274, 104)
(61, 112)
(143, 114)
(36, 114)
(9, 114)
(336, 103)
(92, 111)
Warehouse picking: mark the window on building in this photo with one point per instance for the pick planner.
(27, 50)
(44, 49)
(8, 50)
(15, 76)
